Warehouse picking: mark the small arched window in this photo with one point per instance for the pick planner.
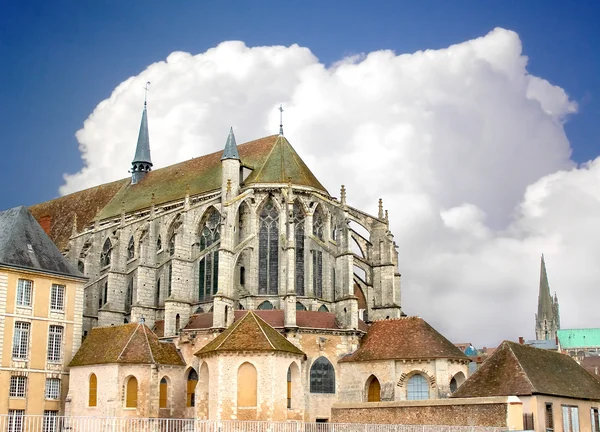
(131, 398)
(81, 266)
(246, 386)
(131, 249)
(323, 308)
(105, 255)
(164, 389)
(322, 376)
(318, 223)
(417, 388)
(266, 305)
(93, 391)
(192, 381)
(158, 244)
(300, 306)
(172, 245)
(373, 390)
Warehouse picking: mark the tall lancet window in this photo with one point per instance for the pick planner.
(268, 249)
(299, 239)
(208, 268)
(105, 255)
(318, 273)
(131, 249)
(318, 223)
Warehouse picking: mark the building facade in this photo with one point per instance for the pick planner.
(41, 307)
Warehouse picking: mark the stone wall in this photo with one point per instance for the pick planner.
(496, 411)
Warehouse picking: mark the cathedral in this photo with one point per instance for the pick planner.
(547, 320)
(234, 286)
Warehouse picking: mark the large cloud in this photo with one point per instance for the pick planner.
(467, 149)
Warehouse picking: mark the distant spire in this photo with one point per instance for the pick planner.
(280, 120)
(547, 318)
(142, 163)
(230, 151)
(544, 297)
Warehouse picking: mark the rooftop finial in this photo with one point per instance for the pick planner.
(380, 215)
(281, 120)
(343, 195)
(146, 89)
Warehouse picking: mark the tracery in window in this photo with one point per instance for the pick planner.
(268, 249)
(208, 267)
(131, 249)
(318, 223)
(105, 255)
(298, 215)
(322, 376)
(318, 273)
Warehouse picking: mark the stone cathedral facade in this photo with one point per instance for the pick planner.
(239, 261)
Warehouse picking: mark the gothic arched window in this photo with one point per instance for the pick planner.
(299, 240)
(323, 308)
(268, 249)
(129, 298)
(318, 223)
(105, 255)
(172, 245)
(417, 388)
(131, 249)
(266, 305)
(192, 381)
(318, 273)
(300, 306)
(322, 376)
(158, 244)
(162, 393)
(208, 267)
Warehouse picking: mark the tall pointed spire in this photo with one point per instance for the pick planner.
(547, 320)
(544, 297)
(142, 163)
(230, 151)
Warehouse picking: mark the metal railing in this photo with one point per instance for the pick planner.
(39, 423)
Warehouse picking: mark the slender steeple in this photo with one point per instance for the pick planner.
(547, 320)
(230, 151)
(142, 164)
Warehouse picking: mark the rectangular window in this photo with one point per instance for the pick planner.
(570, 419)
(51, 420)
(549, 417)
(18, 386)
(21, 340)
(57, 298)
(55, 335)
(595, 420)
(15, 420)
(52, 388)
(24, 289)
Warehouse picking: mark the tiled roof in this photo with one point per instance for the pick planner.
(521, 370)
(25, 245)
(129, 343)
(404, 338)
(80, 206)
(251, 333)
(275, 318)
(579, 338)
(592, 365)
(159, 328)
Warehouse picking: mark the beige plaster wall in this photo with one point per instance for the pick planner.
(537, 405)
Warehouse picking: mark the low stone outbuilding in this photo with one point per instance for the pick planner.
(402, 359)
(125, 371)
(557, 394)
(250, 372)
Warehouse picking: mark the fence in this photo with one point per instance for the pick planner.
(51, 423)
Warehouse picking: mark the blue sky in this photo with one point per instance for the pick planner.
(60, 59)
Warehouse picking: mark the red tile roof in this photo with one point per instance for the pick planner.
(404, 338)
(520, 370)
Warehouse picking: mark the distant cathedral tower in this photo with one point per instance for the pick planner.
(547, 319)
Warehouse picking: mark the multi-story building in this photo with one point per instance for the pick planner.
(41, 307)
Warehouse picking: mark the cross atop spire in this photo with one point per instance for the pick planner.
(281, 120)
(146, 90)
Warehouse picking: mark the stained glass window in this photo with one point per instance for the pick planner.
(268, 249)
(105, 254)
(322, 376)
(299, 239)
(318, 223)
(208, 267)
(318, 273)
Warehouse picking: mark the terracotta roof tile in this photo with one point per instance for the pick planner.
(128, 343)
(251, 333)
(404, 338)
(159, 328)
(520, 370)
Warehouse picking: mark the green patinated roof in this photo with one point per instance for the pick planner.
(272, 159)
(251, 333)
(579, 338)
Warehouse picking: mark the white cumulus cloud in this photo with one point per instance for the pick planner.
(467, 149)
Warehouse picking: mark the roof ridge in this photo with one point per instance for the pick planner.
(148, 343)
(261, 329)
(259, 171)
(516, 357)
(128, 342)
(231, 330)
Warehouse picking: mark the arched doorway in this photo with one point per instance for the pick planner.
(373, 389)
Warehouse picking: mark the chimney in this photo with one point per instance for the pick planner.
(521, 340)
(45, 222)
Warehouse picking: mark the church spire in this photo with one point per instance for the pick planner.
(142, 164)
(230, 151)
(547, 319)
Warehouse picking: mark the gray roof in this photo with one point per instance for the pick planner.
(142, 151)
(231, 151)
(548, 344)
(544, 298)
(25, 245)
